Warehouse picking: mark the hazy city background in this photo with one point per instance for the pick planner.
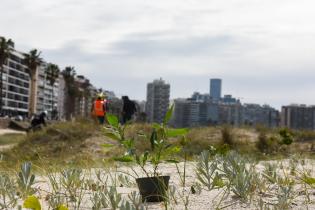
(262, 50)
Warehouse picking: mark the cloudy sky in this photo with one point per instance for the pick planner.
(264, 50)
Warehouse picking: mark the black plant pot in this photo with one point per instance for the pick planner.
(153, 189)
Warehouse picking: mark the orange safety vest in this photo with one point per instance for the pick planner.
(99, 108)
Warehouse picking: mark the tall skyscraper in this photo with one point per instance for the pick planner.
(158, 100)
(215, 89)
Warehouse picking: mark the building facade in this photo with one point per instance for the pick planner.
(158, 100)
(298, 117)
(255, 114)
(16, 85)
(47, 94)
(215, 89)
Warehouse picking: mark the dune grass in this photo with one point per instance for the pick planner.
(80, 143)
(11, 138)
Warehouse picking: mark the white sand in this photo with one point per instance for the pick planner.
(205, 200)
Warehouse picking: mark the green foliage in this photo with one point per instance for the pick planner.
(308, 180)
(286, 136)
(7, 192)
(52, 71)
(62, 207)
(206, 171)
(135, 202)
(160, 147)
(32, 202)
(285, 197)
(267, 145)
(26, 180)
(232, 172)
(241, 178)
(107, 197)
(72, 180)
(112, 120)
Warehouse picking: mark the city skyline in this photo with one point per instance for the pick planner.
(261, 58)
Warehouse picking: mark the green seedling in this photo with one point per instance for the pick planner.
(26, 180)
(161, 148)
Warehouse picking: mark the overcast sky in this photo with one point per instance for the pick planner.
(264, 50)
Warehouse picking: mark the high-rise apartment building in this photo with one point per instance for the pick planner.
(215, 89)
(47, 94)
(298, 117)
(186, 113)
(16, 83)
(255, 114)
(158, 100)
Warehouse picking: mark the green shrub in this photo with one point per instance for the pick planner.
(227, 136)
(286, 136)
(267, 144)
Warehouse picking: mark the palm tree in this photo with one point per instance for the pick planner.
(52, 71)
(72, 92)
(32, 61)
(6, 46)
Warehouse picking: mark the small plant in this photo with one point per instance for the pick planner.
(8, 197)
(124, 180)
(72, 180)
(207, 173)
(134, 202)
(241, 175)
(270, 173)
(160, 150)
(107, 197)
(98, 200)
(26, 180)
(285, 197)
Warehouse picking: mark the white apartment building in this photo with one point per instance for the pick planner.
(158, 100)
(16, 84)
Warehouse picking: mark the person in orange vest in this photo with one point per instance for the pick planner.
(99, 108)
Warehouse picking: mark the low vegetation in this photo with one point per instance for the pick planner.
(11, 139)
(71, 165)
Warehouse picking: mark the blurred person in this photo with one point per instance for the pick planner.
(129, 109)
(99, 108)
(38, 121)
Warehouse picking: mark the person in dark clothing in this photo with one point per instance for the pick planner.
(38, 121)
(129, 108)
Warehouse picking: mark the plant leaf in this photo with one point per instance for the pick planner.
(32, 203)
(112, 136)
(309, 180)
(62, 207)
(112, 120)
(125, 159)
(172, 161)
(168, 115)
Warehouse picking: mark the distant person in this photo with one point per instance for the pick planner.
(129, 108)
(99, 108)
(38, 121)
